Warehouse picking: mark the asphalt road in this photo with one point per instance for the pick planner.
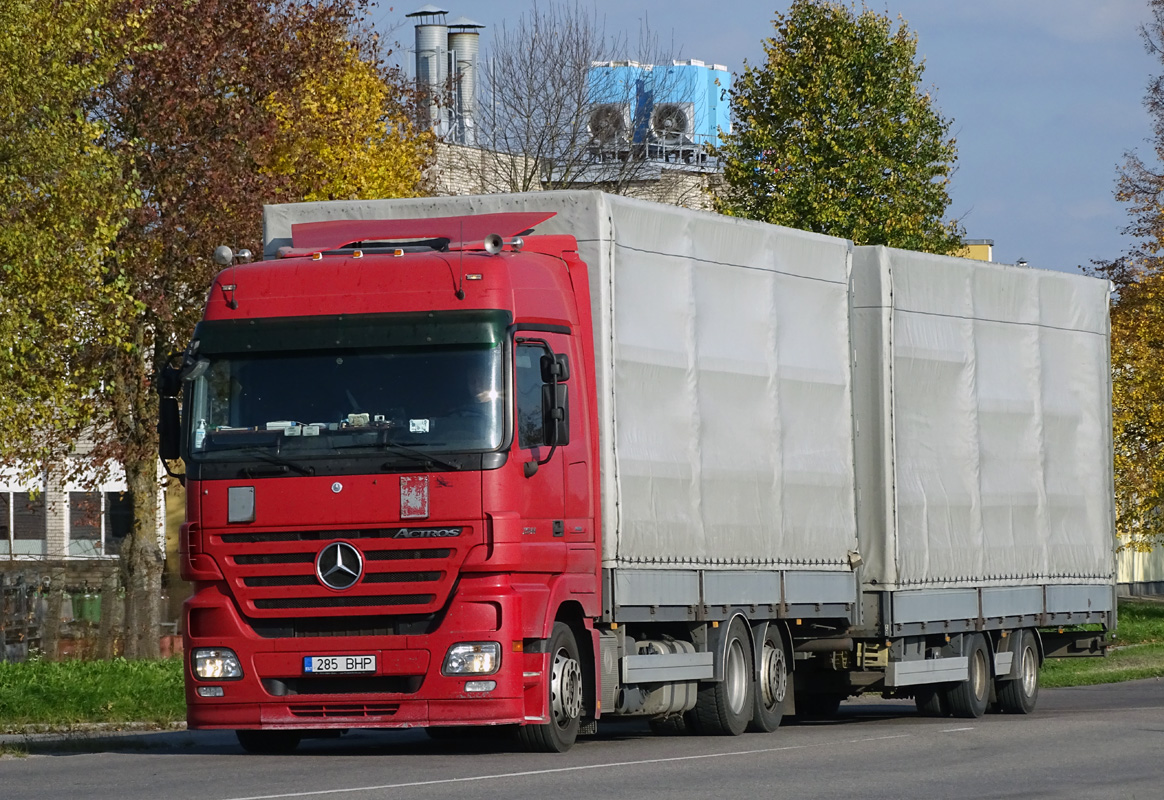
(1091, 742)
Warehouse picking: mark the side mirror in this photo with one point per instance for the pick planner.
(556, 415)
(169, 383)
(555, 368)
(169, 429)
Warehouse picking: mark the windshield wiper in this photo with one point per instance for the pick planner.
(418, 455)
(383, 442)
(285, 463)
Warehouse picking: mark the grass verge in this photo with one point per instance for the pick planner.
(68, 693)
(1138, 652)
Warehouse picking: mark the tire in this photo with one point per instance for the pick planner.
(565, 701)
(1019, 696)
(931, 701)
(724, 708)
(268, 743)
(969, 698)
(771, 685)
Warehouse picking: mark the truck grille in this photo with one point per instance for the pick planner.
(273, 572)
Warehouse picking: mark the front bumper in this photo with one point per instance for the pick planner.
(407, 690)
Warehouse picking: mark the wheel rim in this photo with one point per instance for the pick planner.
(736, 676)
(566, 689)
(1030, 671)
(978, 679)
(774, 678)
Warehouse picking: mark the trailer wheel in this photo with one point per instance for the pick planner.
(1019, 696)
(268, 743)
(725, 708)
(565, 687)
(771, 686)
(969, 698)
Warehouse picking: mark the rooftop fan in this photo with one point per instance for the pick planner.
(671, 122)
(609, 123)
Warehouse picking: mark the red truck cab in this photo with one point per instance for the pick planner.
(392, 515)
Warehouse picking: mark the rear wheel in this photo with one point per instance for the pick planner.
(969, 698)
(772, 684)
(725, 707)
(268, 743)
(1019, 696)
(565, 687)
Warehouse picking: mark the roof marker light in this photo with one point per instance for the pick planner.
(476, 276)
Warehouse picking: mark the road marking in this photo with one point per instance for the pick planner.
(956, 730)
(526, 773)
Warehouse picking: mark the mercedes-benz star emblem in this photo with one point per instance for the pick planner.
(339, 566)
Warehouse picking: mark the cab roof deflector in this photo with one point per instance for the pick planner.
(309, 237)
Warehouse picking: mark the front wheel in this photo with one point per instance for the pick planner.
(565, 688)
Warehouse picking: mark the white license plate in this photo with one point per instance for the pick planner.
(315, 664)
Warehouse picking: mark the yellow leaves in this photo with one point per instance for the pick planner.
(1137, 352)
(343, 135)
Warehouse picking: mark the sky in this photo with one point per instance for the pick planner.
(1045, 98)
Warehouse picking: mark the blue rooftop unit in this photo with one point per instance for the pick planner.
(667, 111)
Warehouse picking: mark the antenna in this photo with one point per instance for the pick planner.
(460, 293)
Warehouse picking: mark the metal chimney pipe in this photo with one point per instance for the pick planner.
(432, 72)
(465, 46)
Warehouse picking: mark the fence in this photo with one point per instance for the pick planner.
(42, 612)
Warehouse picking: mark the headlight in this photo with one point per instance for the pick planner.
(472, 658)
(216, 664)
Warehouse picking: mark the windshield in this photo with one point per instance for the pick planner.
(326, 402)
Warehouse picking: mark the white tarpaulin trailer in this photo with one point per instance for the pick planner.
(984, 429)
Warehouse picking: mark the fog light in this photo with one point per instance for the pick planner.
(216, 664)
(472, 658)
(480, 686)
(210, 691)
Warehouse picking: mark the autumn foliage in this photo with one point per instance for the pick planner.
(137, 136)
(1137, 328)
(835, 134)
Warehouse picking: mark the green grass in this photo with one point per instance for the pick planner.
(1138, 652)
(1140, 623)
(68, 693)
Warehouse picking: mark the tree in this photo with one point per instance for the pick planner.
(537, 128)
(137, 136)
(347, 133)
(1137, 322)
(835, 134)
(214, 118)
(63, 201)
(1137, 336)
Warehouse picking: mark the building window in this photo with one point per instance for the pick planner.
(85, 524)
(29, 524)
(99, 522)
(118, 520)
